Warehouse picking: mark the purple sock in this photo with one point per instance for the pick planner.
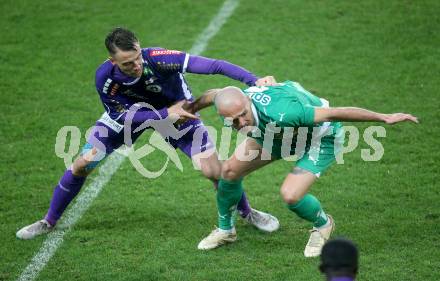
(243, 206)
(64, 192)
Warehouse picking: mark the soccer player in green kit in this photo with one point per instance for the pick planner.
(279, 121)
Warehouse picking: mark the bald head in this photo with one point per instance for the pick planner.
(235, 107)
(230, 101)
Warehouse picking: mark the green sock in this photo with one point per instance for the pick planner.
(309, 209)
(228, 196)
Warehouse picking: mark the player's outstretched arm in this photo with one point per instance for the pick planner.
(359, 115)
(179, 112)
(203, 65)
(207, 99)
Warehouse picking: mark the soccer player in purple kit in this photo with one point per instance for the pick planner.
(134, 76)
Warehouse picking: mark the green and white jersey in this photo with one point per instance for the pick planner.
(284, 115)
(285, 105)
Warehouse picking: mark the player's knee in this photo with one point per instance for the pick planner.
(228, 172)
(87, 161)
(211, 172)
(290, 195)
(81, 167)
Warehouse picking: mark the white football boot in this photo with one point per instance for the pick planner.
(263, 221)
(217, 238)
(33, 230)
(318, 237)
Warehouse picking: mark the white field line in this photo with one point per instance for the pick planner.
(111, 165)
(214, 26)
(82, 203)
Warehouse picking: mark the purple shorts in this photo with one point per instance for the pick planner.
(190, 137)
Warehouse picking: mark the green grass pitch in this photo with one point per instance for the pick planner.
(382, 55)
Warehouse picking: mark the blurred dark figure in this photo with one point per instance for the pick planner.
(339, 260)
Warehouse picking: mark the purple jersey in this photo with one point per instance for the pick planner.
(160, 85)
(162, 82)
